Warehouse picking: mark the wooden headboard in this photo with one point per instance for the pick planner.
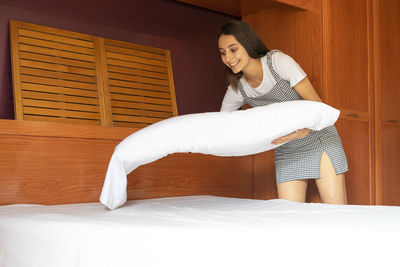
(65, 76)
(57, 163)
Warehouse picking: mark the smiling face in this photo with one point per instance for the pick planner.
(233, 54)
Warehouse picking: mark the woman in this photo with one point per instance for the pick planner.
(259, 77)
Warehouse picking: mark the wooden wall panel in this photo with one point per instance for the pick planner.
(387, 96)
(297, 33)
(360, 183)
(390, 165)
(389, 27)
(57, 163)
(348, 85)
(346, 58)
(193, 174)
(52, 170)
(264, 176)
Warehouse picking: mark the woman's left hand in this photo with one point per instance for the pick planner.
(301, 133)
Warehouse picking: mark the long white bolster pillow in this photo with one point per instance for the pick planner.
(236, 133)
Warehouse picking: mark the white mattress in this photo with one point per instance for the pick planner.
(199, 231)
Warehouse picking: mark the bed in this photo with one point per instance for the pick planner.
(183, 210)
(199, 231)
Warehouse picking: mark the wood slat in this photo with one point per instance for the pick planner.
(138, 66)
(171, 84)
(60, 113)
(57, 60)
(58, 90)
(59, 98)
(56, 67)
(55, 38)
(142, 86)
(130, 124)
(59, 119)
(105, 109)
(139, 79)
(56, 53)
(131, 91)
(124, 104)
(61, 32)
(16, 75)
(135, 52)
(136, 72)
(60, 105)
(103, 78)
(110, 42)
(142, 113)
(136, 59)
(58, 75)
(58, 82)
(140, 99)
(55, 45)
(124, 118)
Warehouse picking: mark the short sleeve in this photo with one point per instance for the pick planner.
(287, 68)
(233, 100)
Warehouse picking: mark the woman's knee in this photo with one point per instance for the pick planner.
(332, 189)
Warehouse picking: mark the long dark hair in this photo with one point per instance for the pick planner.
(249, 39)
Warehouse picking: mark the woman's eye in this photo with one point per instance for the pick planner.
(234, 50)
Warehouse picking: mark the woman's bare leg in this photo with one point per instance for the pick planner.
(294, 190)
(331, 187)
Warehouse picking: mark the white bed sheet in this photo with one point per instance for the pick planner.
(199, 231)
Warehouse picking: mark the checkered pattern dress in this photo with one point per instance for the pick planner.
(300, 158)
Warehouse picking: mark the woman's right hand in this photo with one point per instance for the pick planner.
(301, 133)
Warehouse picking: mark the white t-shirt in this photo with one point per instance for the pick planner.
(286, 67)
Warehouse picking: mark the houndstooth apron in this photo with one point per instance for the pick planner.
(300, 158)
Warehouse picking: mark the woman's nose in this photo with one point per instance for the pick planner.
(228, 57)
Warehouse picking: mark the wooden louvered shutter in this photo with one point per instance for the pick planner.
(65, 76)
(139, 83)
(55, 75)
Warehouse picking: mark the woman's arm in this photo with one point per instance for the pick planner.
(233, 100)
(305, 89)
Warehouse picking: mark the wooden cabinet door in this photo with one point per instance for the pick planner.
(359, 182)
(348, 86)
(387, 99)
(346, 55)
(389, 59)
(390, 182)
